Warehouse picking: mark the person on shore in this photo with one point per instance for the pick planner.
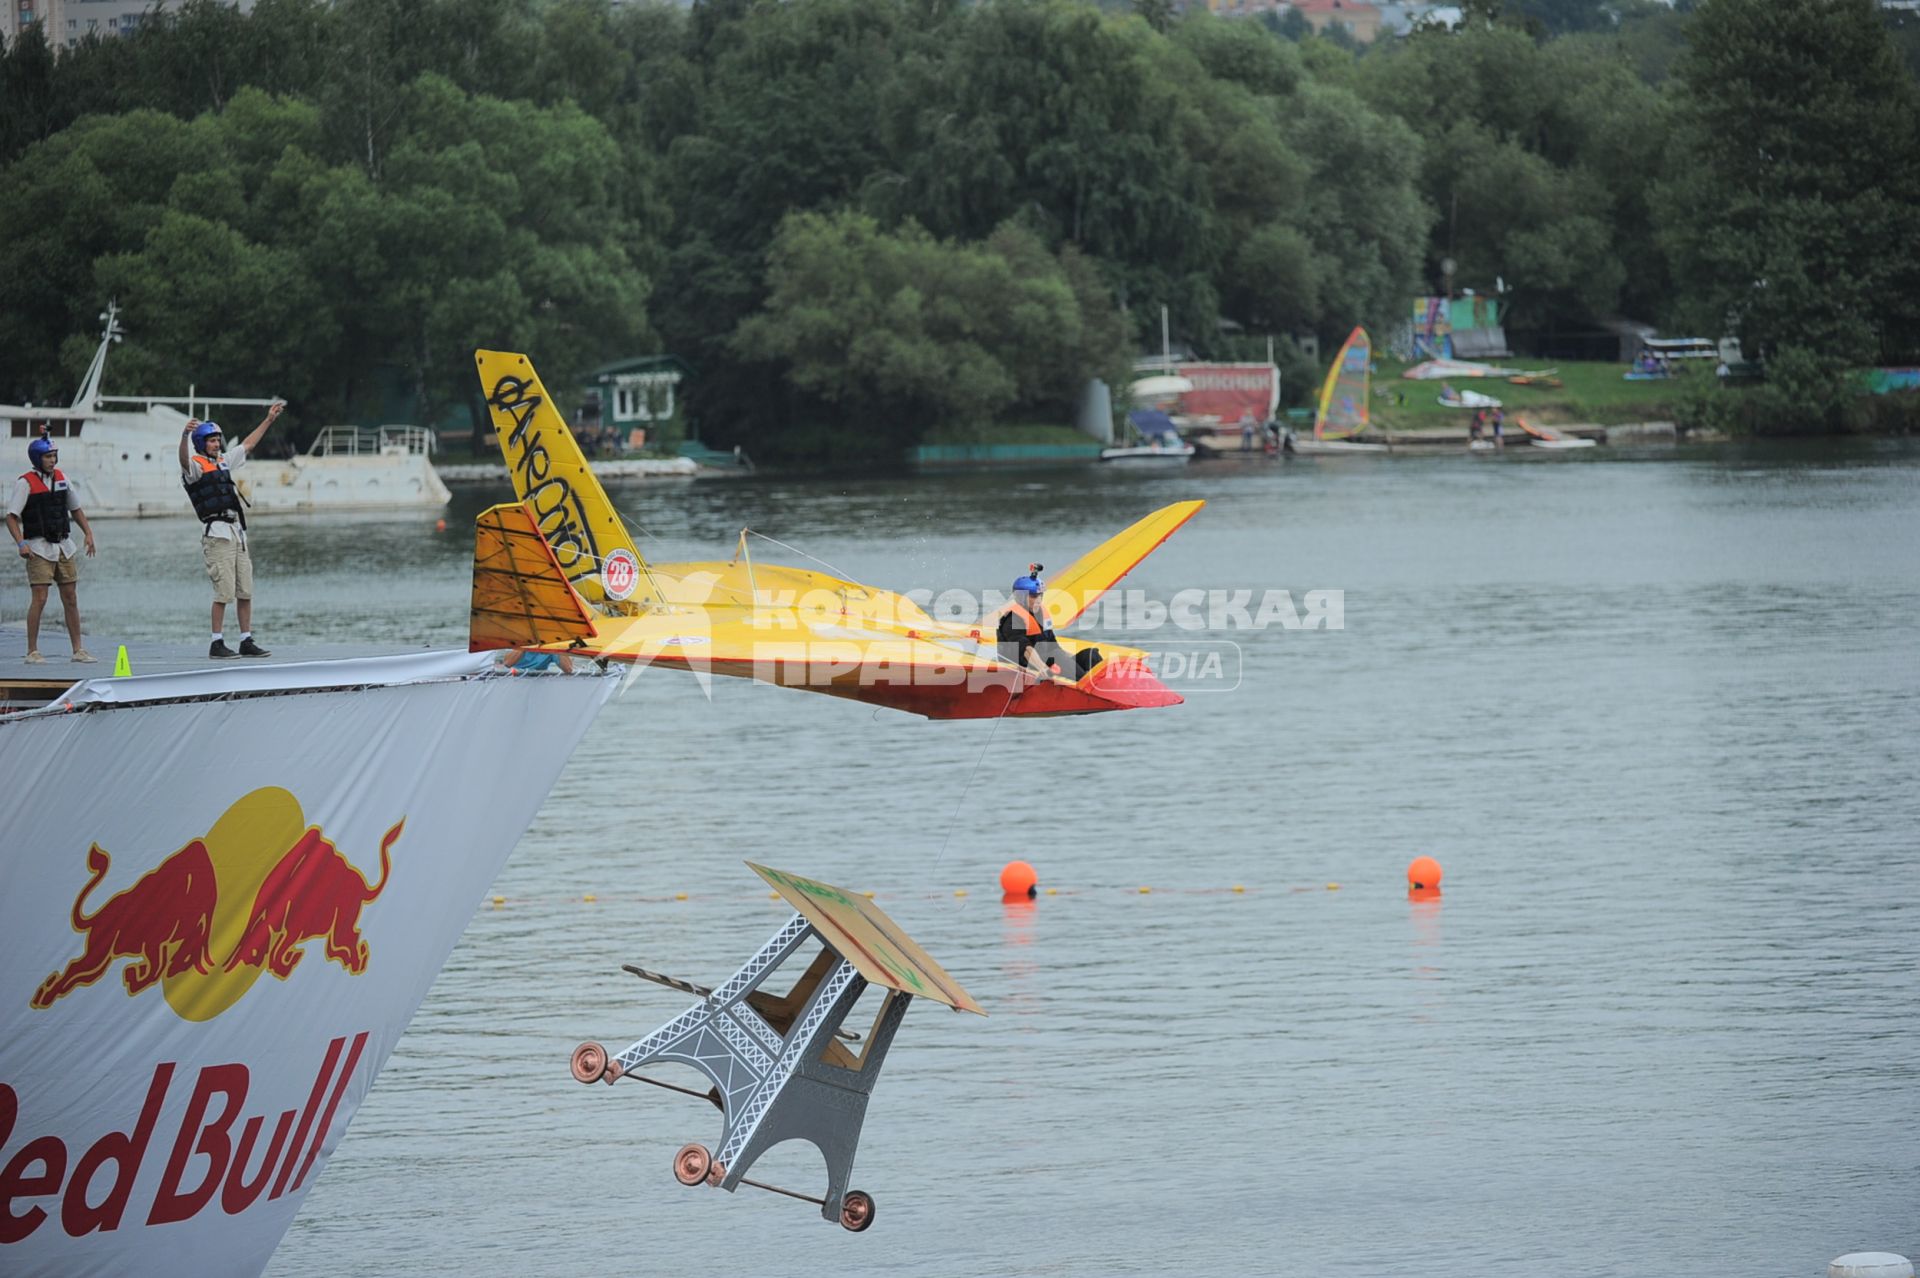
(1246, 432)
(1499, 428)
(206, 468)
(1477, 426)
(41, 513)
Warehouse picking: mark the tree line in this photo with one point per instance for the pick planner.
(859, 220)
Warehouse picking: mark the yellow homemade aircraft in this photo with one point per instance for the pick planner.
(558, 572)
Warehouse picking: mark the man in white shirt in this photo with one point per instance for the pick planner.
(206, 468)
(40, 513)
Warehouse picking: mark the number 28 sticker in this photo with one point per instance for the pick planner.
(619, 574)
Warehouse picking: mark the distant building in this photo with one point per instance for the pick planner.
(67, 22)
(1246, 8)
(1362, 21)
(1400, 19)
(631, 395)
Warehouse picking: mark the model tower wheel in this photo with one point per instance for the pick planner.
(691, 1164)
(856, 1210)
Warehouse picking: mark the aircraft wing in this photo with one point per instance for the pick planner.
(521, 597)
(840, 642)
(1089, 577)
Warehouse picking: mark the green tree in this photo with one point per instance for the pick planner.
(1791, 212)
(494, 223)
(204, 303)
(896, 332)
(1362, 214)
(29, 106)
(1538, 161)
(94, 189)
(792, 115)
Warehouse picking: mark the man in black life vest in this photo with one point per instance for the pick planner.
(1022, 631)
(207, 470)
(40, 515)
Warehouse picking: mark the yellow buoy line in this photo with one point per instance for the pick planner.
(1019, 883)
(502, 900)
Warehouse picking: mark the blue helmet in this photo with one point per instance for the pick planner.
(202, 432)
(39, 448)
(1029, 584)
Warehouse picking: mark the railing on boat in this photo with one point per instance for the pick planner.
(365, 441)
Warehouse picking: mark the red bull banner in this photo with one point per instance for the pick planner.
(221, 909)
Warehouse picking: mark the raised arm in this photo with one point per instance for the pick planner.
(186, 440)
(253, 436)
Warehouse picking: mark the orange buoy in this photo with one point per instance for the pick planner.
(1423, 872)
(439, 525)
(1019, 879)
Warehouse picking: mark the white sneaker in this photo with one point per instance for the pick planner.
(83, 656)
(35, 659)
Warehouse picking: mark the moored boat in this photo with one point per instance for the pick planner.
(123, 453)
(1158, 442)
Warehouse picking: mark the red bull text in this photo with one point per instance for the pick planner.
(212, 1155)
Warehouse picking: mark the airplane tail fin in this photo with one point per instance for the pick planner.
(1087, 578)
(521, 598)
(552, 476)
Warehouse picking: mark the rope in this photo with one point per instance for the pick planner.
(701, 991)
(712, 1097)
(838, 572)
(671, 982)
(970, 776)
(633, 523)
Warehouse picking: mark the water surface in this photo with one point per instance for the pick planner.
(1655, 713)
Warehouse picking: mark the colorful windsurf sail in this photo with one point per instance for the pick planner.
(1343, 396)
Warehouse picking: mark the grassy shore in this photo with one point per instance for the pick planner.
(1590, 393)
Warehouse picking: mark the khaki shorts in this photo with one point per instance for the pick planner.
(45, 572)
(229, 568)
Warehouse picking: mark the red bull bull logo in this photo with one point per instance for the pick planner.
(212, 916)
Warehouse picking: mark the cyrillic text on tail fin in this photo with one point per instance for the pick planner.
(551, 475)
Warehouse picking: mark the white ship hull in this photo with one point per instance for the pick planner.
(125, 461)
(126, 464)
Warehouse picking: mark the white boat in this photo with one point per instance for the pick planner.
(1167, 386)
(1548, 437)
(1330, 447)
(123, 453)
(1150, 455)
(1159, 442)
(206, 966)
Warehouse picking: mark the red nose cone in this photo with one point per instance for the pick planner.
(1131, 685)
